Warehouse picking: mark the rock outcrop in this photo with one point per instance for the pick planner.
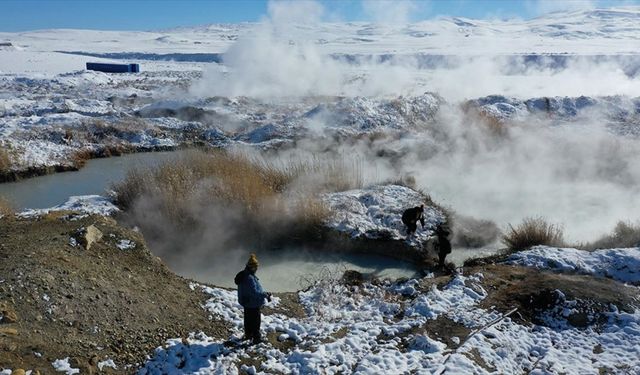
(370, 220)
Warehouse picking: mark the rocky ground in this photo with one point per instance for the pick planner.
(114, 300)
(85, 288)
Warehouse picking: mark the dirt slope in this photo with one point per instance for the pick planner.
(61, 300)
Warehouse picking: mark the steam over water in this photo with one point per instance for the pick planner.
(288, 271)
(575, 165)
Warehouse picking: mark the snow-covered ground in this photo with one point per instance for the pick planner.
(598, 30)
(86, 204)
(376, 329)
(375, 214)
(406, 92)
(618, 264)
(51, 107)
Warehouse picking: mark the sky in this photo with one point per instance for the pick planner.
(22, 15)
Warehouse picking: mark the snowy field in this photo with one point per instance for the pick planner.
(495, 120)
(374, 329)
(399, 100)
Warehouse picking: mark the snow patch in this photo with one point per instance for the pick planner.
(618, 264)
(62, 365)
(87, 204)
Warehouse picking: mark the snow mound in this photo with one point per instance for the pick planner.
(362, 115)
(618, 264)
(62, 365)
(610, 108)
(376, 213)
(86, 204)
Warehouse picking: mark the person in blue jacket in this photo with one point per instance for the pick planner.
(252, 298)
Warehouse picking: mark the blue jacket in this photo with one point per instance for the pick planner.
(250, 293)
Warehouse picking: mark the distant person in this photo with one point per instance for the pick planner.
(410, 218)
(444, 245)
(252, 298)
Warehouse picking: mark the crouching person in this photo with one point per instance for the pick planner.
(252, 298)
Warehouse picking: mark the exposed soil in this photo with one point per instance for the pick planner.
(533, 292)
(58, 300)
(62, 300)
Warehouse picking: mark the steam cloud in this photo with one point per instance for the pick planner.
(579, 174)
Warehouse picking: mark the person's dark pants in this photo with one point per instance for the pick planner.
(252, 324)
(441, 258)
(411, 227)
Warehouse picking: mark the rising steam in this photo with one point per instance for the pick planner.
(579, 174)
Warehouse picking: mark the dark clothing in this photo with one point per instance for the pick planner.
(252, 298)
(410, 218)
(411, 227)
(444, 246)
(252, 319)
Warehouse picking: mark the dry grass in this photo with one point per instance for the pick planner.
(532, 232)
(624, 235)
(6, 209)
(276, 200)
(80, 157)
(5, 159)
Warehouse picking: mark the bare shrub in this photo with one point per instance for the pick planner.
(624, 235)
(532, 232)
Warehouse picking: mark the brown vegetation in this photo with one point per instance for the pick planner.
(5, 160)
(624, 235)
(80, 157)
(491, 123)
(532, 232)
(6, 209)
(274, 200)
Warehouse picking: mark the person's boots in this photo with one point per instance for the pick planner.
(257, 339)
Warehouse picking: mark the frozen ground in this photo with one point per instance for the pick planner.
(86, 204)
(187, 93)
(617, 264)
(375, 329)
(375, 213)
(558, 96)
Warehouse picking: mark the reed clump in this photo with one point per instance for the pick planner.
(5, 160)
(275, 199)
(624, 235)
(532, 232)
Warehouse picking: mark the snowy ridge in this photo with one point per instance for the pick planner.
(375, 213)
(361, 115)
(612, 108)
(618, 264)
(613, 29)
